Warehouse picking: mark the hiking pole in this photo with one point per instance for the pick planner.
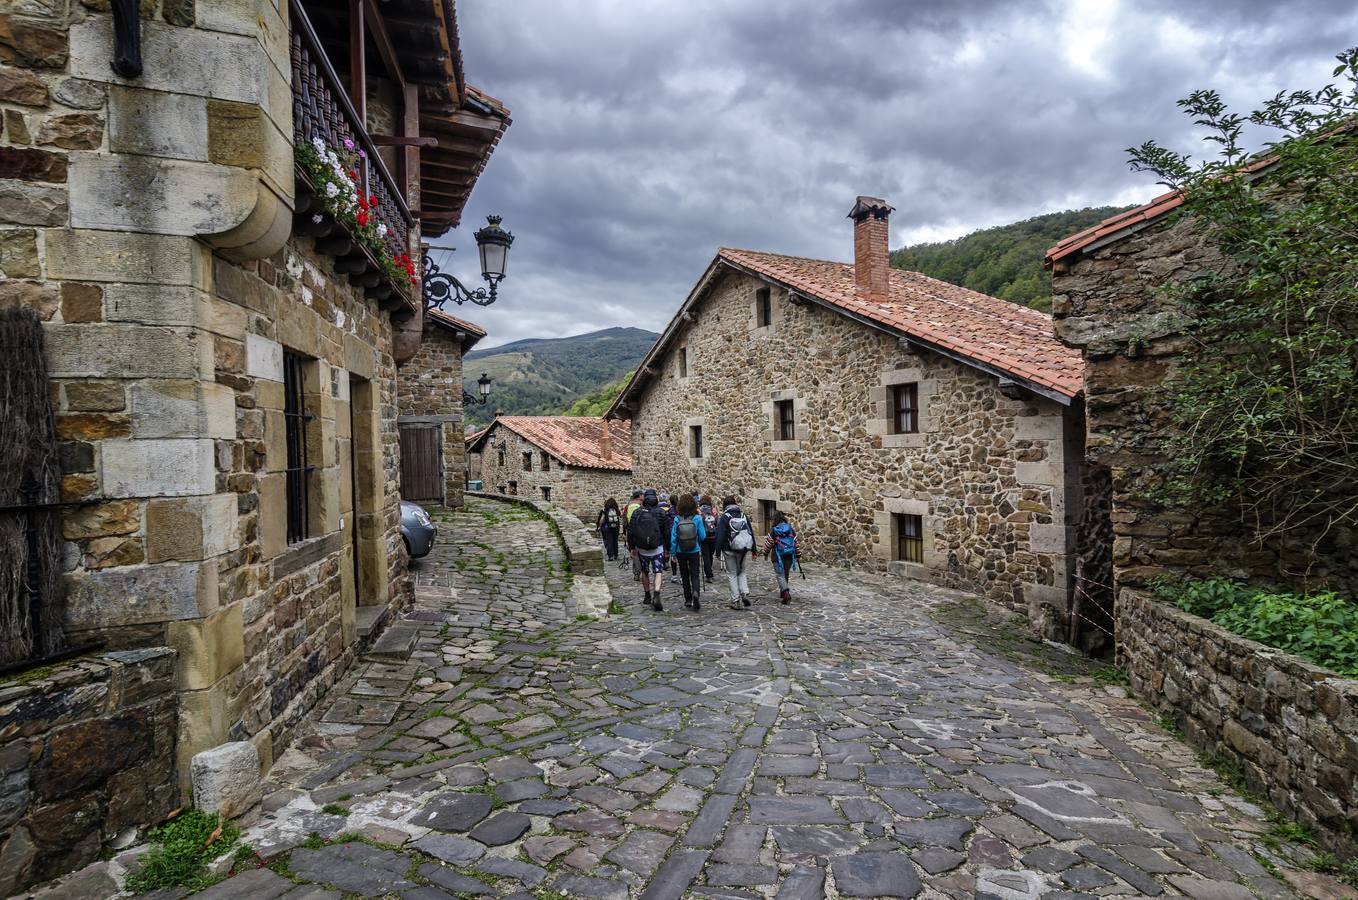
(799, 567)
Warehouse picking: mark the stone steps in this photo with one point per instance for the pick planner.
(395, 643)
(367, 620)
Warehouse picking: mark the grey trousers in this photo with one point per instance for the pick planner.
(736, 578)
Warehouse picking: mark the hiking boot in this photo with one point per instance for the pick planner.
(696, 605)
(745, 599)
(657, 605)
(646, 600)
(735, 604)
(785, 596)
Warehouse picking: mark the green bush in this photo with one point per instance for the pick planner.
(1320, 627)
(181, 850)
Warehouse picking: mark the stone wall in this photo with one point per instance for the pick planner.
(988, 474)
(147, 223)
(87, 754)
(429, 390)
(1292, 726)
(578, 489)
(1112, 303)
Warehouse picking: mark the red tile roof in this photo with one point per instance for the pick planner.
(575, 440)
(984, 329)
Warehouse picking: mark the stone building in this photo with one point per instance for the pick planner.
(222, 339)
(429, 392)
(902, 423)
(576, 462)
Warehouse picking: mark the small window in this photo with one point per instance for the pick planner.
(763, 304)
(546, 460)
(295, 419)
(784, 420)
(683, 362)
(904, 408)
(513, 489)
(909, 538)
(502, 461)
(695, 441)
(546, 493)
(766, 510)
(528, 460)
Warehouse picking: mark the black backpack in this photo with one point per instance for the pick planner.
(686, 535)
(644, 529)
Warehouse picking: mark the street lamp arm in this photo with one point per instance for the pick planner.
(440, 287)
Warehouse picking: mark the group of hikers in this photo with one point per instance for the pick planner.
(684, 533)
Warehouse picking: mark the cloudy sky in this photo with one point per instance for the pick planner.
(648, 133)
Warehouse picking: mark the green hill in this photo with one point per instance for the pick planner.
(1006, 261)
(542, 376)
(596, 403)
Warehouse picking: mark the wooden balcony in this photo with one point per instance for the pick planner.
(322, 109)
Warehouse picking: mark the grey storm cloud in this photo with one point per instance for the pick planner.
(648, 133)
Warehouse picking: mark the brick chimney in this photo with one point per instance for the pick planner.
(606, 444)
(871, 270)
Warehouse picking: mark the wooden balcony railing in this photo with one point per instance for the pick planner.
(321, 108)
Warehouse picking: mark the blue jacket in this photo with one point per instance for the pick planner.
(674, 536)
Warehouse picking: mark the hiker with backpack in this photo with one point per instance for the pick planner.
(735, 540)
(646, 538)
(709, 516)
(609, 524)
(686, 538)
(632, 506)
(780, 545)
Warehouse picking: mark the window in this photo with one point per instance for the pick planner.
(546, 461)
(766, 510)
(528, 460)
(683, 362)
(909, 537)
(502, 460)
(904, 408)
(546, 493)
(513, 489)
(695, 441)
(763, 306)
(784, 420)
(295, 419)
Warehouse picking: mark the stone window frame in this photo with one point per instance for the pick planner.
(301, 376)
(800, 429)
(527, 464)
(546, 492)
(760, 496)
(699, 422)
(682, 363)
(545, 461)
(886, 537)
(775, 315)
(881, 424)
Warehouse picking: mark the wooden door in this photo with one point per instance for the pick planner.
(422, 463)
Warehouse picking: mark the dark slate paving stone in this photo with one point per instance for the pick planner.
(858, 809)
(815, 841)
(356, 868)
(464, 776)
(522, 872)
(452, 881)
(958, 803)
(590, 888)
(1050, 859)
(1084, 878)
(504, 828)
(675, 875)
(547, 807)
(803, 883)
(592, 823)
(779, 766)
(793, 811)
(1128, 873)
(741, 843)
(454, 812)
(512, 768)
(1149, 860)
(522, 789)
(736, 771)
(904, 803)
(741, 874)
(935, 860)
(895, 776)
(933, 832)
(711, 819)
(641, 852)
(875, 875)
(425, 892)
(252, 884)
(456, 851)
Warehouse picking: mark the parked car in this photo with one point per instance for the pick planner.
(418, 531)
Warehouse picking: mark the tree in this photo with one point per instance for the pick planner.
(1267, 407)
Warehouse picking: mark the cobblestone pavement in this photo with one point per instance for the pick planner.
(876, 738)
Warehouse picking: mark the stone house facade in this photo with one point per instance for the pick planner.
(222, 350)
(901, 423)
(576, 462)
(429, 399)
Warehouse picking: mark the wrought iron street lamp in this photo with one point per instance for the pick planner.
(482, 387)
(440, 287)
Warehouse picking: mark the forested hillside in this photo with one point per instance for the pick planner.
(542, 376)
(1005, 261)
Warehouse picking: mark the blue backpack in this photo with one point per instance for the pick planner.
(784, 540)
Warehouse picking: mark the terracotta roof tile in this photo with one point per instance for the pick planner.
(978, 327)
(575, 440)
(453, 323)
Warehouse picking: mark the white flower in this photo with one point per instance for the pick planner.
(330, 189)
(319, 145)
(317, 218)
(381, 230)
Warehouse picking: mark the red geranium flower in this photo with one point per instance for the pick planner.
(362, 218)
(362, 204)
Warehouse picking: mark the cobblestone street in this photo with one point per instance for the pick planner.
(877, 738)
